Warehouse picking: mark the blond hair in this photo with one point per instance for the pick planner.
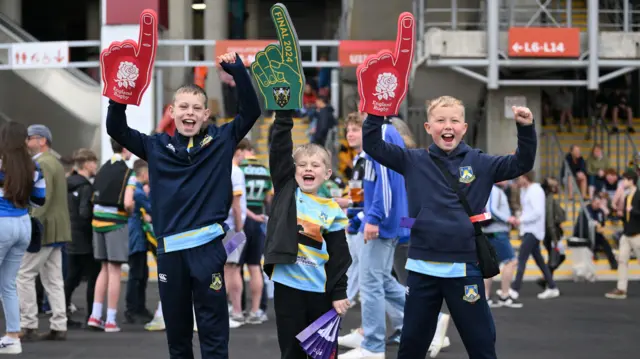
(404, 131)
(312, 149)
(444, 101)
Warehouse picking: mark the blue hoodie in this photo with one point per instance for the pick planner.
(385, 194)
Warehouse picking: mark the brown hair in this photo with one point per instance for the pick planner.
(17, 164)
(82, 156)
(353, 118)
(139, 165)
(244, 145)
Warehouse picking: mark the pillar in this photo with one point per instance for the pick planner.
(215, 28)
(593, 33)
(12, 9)
(120, 21)
(253, 22)
(181, 20)
(501, 131)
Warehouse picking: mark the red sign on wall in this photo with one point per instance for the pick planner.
(544, 42)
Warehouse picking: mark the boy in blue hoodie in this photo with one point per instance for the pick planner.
(385, 203)
(442, 260)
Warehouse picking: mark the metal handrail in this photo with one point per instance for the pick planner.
(574, 200)
(620, 144)
(18, 34)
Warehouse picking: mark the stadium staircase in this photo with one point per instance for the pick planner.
(553, 146)
(578, 13)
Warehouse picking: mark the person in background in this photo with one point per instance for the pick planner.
(67, 163)
(598, 212)
(22, 185)
(597, 164)
(54, 216)
(620, 103)
(110, 235)
(167, 124)
(531, 223)
(554, 217)
(136, 310)
(630, 240)
(200, 73)
(80, 249)
(325, 121)
(235, 221)
(497, 231)
(578, 168)
(564, 104)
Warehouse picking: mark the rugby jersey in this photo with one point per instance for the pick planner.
(316, 216)
(107, 218)
(238, 188)
(36, 199)
(258, 183)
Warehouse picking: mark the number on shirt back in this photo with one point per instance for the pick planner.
(255, 189)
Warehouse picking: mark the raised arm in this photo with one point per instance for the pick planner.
(248, 100)
(119, 130)
(281, 151)
(373, 144)
(512, 166)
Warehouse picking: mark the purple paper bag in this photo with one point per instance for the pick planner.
(234, 242)
(320, 339)
(315, 326)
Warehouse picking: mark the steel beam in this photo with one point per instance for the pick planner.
(626, 15)
(493, 37)
(511, 63)
(616, 73)
(472, 74)
(543, 83)
(593, 72)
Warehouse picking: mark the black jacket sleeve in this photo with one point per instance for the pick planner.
(119, 130)
(281, 151)
(85, 203)
(337, 265)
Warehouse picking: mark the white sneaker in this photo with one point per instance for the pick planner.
(512, 293)
(236, 321)
(549, 293)
(10, 346)
(360, 353)
(352, 340)
(437, 342)
(157, 324)
(433, 351)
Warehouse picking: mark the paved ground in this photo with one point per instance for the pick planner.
(580, 324)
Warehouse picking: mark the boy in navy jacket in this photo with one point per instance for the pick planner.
(442, 260)
(190, 174)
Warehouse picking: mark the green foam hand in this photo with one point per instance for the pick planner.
(278, 68)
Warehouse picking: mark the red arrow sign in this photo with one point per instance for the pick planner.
(544, 42)
(59, 58)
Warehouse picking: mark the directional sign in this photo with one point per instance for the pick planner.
(544, 42)
(39, 55)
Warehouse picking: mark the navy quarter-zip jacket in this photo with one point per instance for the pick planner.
(190, 189)
(442, 231)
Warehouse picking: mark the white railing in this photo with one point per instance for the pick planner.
(187, 48)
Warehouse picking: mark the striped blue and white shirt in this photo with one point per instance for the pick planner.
(37, 198)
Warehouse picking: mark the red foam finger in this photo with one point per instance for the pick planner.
(148, 36)
(405, 42)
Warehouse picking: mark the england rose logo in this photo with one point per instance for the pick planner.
(386, 86)
(128, 73)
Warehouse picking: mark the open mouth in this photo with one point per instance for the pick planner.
(448, 138)
(308, 179)
(189, 124)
